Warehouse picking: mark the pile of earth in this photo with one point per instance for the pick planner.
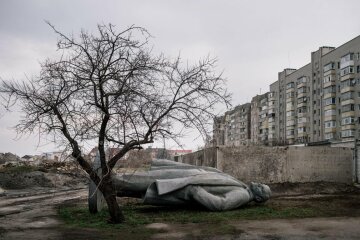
(47, 175)
(8, 157)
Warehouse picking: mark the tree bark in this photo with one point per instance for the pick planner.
(116, 215)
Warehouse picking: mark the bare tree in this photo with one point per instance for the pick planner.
(110, 87)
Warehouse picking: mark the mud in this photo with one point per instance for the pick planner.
(33, 216)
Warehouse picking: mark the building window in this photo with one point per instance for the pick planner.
(329, 78)
(301, 80)
(348, 57)
(302, 109)
(347, 108)
(290, 85)
(331, 89)
(329, 135)
(290, 113)
(289, 132)
(301, 129)
(290, 94)
(303, 99)
(301, 120)
(329, 66)
(329, 101)
(348, 120)
(330, 112)
(347, 133)
(347, 70)
(330, 124)
(347, 96)
(348, 83)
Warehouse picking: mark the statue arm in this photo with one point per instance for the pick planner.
(220, 202)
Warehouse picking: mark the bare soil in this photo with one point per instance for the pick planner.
(33, 216)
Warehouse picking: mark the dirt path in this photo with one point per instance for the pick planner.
(34, 217)
(296, 229)
(306, 228)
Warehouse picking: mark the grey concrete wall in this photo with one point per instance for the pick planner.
(254, 163)
(311, 164)
(279, 164)
(205, 157)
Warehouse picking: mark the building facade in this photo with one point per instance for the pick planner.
(317, 102)
(259, 119)
(233, 129)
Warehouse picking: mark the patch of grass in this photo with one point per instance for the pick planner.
(137, 214)
(18, 169)
(76, 217)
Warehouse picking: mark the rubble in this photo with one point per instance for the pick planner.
(8, 157)
(17, 174)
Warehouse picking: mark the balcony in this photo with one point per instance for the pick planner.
(301, 134)
(328, 84)
(345, 64)
(302, 114)
(301, 94)
(290, 90)
(347, 76)
(290, 137)
(329, 72)
(347, 89)
(271, 96)
(329, 130)
(329, 107)
(348, 114)
(302, 104)
(290, 107)
(347, 102)
(329, 118)
(329, 95)
(348, 127)
(290, 123)
(290, 128)
(302, 124)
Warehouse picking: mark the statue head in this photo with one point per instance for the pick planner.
(260, 191)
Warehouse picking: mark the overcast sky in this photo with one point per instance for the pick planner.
(253, 40)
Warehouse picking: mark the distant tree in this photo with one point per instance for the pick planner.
(110, 87)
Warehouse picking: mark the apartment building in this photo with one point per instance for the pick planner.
(259, 119)
(233, 129)
(317, 102)
(321, 100)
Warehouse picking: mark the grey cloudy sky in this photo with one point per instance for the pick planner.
(252, 39)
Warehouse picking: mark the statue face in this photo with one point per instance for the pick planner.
(261, 192)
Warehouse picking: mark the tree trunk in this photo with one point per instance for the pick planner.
(116, 215)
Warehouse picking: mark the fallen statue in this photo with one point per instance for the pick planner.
(172, 183)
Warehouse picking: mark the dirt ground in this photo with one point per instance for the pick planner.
(32, 215)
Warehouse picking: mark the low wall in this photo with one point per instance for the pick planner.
(205, 157)
(278, 164)
(254, 163)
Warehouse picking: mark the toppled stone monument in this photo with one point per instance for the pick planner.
(173, 183)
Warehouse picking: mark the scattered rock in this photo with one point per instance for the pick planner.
(158, 226)
(2, 192)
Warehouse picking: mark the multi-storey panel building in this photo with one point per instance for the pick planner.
(259, 119)
(318, 102)
(233, 129)
(273, 113)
